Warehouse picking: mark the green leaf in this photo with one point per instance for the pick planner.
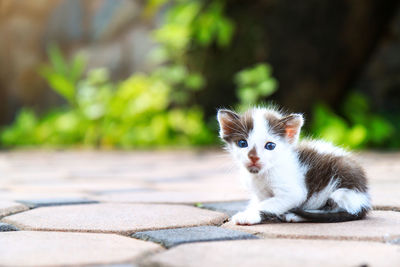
(267, 87)
(254, 84)
(60, 84)
(248, 95)
(356, 136)
(225, 32)
(379, 129)
(194, 81)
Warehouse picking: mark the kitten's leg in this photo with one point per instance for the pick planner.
(291, 217)
(249, 216)
(343, 205)
(350, 200)
(277, 206)
(280, 204)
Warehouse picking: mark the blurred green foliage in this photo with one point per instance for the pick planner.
(63, 76)
(188, 24)
(146, 110)
(357, 128)
(136, 112)
(254, 85)
(156, 109)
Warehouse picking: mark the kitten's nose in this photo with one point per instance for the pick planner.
(253, 155)
(254, 159)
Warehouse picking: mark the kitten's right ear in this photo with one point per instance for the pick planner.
(292, 125)
(228, 121)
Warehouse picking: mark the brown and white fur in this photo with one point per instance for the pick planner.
(310, 180)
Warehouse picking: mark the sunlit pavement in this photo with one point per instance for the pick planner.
(171, 208)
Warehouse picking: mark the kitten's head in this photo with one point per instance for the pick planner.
(259, 137)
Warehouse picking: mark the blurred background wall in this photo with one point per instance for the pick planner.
(112, 33)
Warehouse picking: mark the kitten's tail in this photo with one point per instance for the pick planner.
(329, 216)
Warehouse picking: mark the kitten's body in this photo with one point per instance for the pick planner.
(305, 181)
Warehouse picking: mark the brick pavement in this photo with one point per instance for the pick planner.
(171, 208)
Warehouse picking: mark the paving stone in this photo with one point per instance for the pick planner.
(212, 183)
(25, 248)
(44, 202)
(4, 227)
(230, 208)
(14, 196)
(378, 226)
(385, 196)
(170, 197)
(123, 190)
(24, 174)
(116, 265)
(75, 186)
(8, 207)
(395, 241)
(173, 237)
(381, 166)
(181, 177)
(114, 218)
(278, 252)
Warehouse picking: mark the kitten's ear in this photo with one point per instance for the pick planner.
(292, 125)
(227, 120)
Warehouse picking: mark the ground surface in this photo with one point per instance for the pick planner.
(172, 209)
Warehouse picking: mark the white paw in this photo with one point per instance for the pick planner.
(291, 217)
(247, 217)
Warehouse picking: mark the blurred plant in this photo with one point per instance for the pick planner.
(187, 24)
(358, 128)
(254, 85)
(142, 111)
(62, 75)
(195, 21)
(136, 112)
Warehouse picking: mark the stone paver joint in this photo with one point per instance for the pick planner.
(230, 208)
(46, 202)
(173, 237)
(5, 227)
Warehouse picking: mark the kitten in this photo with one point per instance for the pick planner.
(289, 180)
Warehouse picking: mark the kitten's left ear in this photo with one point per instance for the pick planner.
(292, 125)
(228, 122)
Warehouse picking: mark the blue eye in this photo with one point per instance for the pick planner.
(270, 146)
(242, 143)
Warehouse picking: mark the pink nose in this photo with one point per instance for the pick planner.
(254, 159)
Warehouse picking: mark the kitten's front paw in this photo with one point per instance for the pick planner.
(247, 217)
(291, 217)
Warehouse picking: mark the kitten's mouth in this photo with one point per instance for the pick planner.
(253, 168)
